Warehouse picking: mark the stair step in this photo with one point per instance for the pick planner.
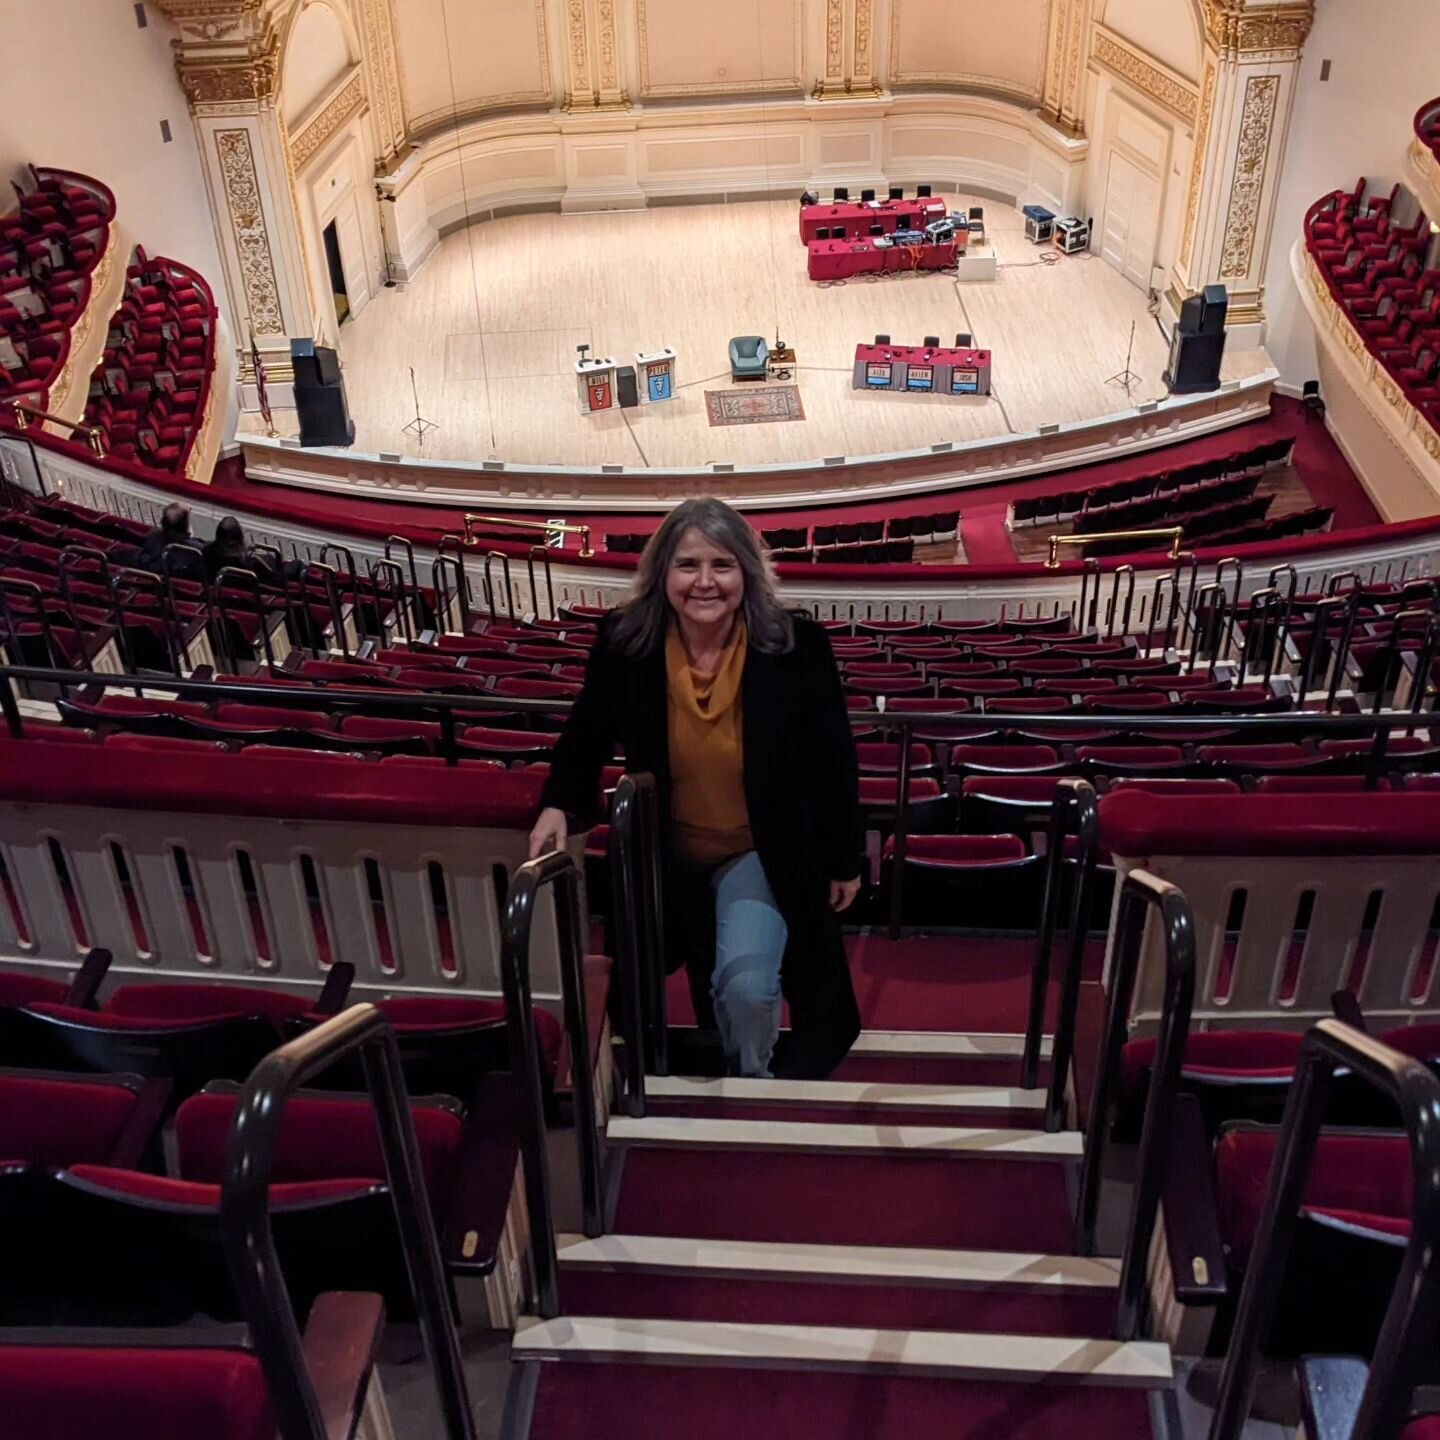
(986, 1201)
(812, 1136)
(655, 1278)
(939, 1353)
(628, 1401)
(846, 1092)
(915, 1265)
(970, 1045)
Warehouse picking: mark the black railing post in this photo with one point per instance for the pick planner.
(524, 1049)
(652, 898)
(1087, 829)
(1140, 893)
(902, 831)
(250, 1243)
(1404, 1348)
(626, 889)
(1143, 889)
(1065, 798)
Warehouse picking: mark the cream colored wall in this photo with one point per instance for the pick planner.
(1167, 30)
(934, 42)
(687, 49)
(455, 53)
(84, 88)
(317, 54)
(1359, 122)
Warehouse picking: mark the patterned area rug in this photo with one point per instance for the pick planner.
(763, 406)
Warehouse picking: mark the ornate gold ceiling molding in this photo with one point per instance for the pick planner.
(1146, 75)
(348, 100)
(1239, 28)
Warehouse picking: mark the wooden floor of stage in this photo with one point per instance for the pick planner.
(491, 323)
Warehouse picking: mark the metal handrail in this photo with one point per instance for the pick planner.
(250, 1243)
(631, 843)
(556, 869)
(1076, 813)
(24, 414)
(545, 527)
(1175, 534)
(1140, 894)
(1403, 1349)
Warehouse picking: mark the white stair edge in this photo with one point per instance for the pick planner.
(765, 1259)
(844, 1092)
(957, 1354)
(965, 1045)
(901, 1044)
(660, 1130)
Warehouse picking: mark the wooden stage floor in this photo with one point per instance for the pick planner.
(491, 323)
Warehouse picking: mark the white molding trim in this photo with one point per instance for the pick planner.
(569, 488)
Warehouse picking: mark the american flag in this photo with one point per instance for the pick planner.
(262, 391)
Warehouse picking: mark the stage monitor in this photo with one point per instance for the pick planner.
(1216, 305)
(1195, 363)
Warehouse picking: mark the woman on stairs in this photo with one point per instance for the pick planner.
(734, 704)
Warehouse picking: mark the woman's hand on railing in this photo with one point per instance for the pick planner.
(843, 893)
(550, 832)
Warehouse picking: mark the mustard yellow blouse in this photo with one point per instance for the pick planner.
(711, 821)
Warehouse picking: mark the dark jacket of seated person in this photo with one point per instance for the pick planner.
(801, 790)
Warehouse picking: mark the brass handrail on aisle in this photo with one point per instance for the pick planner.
(546, 527)
(1173, 533)
(24, 414)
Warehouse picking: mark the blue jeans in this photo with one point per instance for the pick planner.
(750, 935)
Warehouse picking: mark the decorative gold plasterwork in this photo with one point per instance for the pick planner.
(253, 80)
(1247, 188)
(1146, 76)
(611, 96)
(834, 42)
(1197, 159)
(349, 100)
(248, 230)
(1234, 27)
(581, 90)
(385, 102)
(864, 35)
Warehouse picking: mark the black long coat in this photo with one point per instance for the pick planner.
(802, 793)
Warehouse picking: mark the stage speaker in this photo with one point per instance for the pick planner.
(1217, 304)
(1194, 363)
(626, 388)
(320, 395)
(1192, 314)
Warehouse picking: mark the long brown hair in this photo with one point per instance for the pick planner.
(646, 615)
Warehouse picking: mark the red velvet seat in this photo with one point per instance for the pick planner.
(91, 1393)
(181, 1003)
(883, 758)
(51, 1120)
(1004, 760)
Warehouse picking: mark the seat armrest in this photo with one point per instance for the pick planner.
(484, 1179)
(336, 989)
(1192, 1218)
(340, 1342)
(152, 1103)
(86, 984)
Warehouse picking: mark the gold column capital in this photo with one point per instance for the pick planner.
(228, 51)
(1241, 27)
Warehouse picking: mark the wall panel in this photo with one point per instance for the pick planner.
(745, 46)
(457, 54)
(933, 42)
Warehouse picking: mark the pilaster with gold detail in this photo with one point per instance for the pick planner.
(849, 65)
(227, 57)
(1249, 72)
(1068, 49)
(594, 68)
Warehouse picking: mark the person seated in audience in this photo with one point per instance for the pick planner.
(173, 529)
(229, 551)
(735, 705)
